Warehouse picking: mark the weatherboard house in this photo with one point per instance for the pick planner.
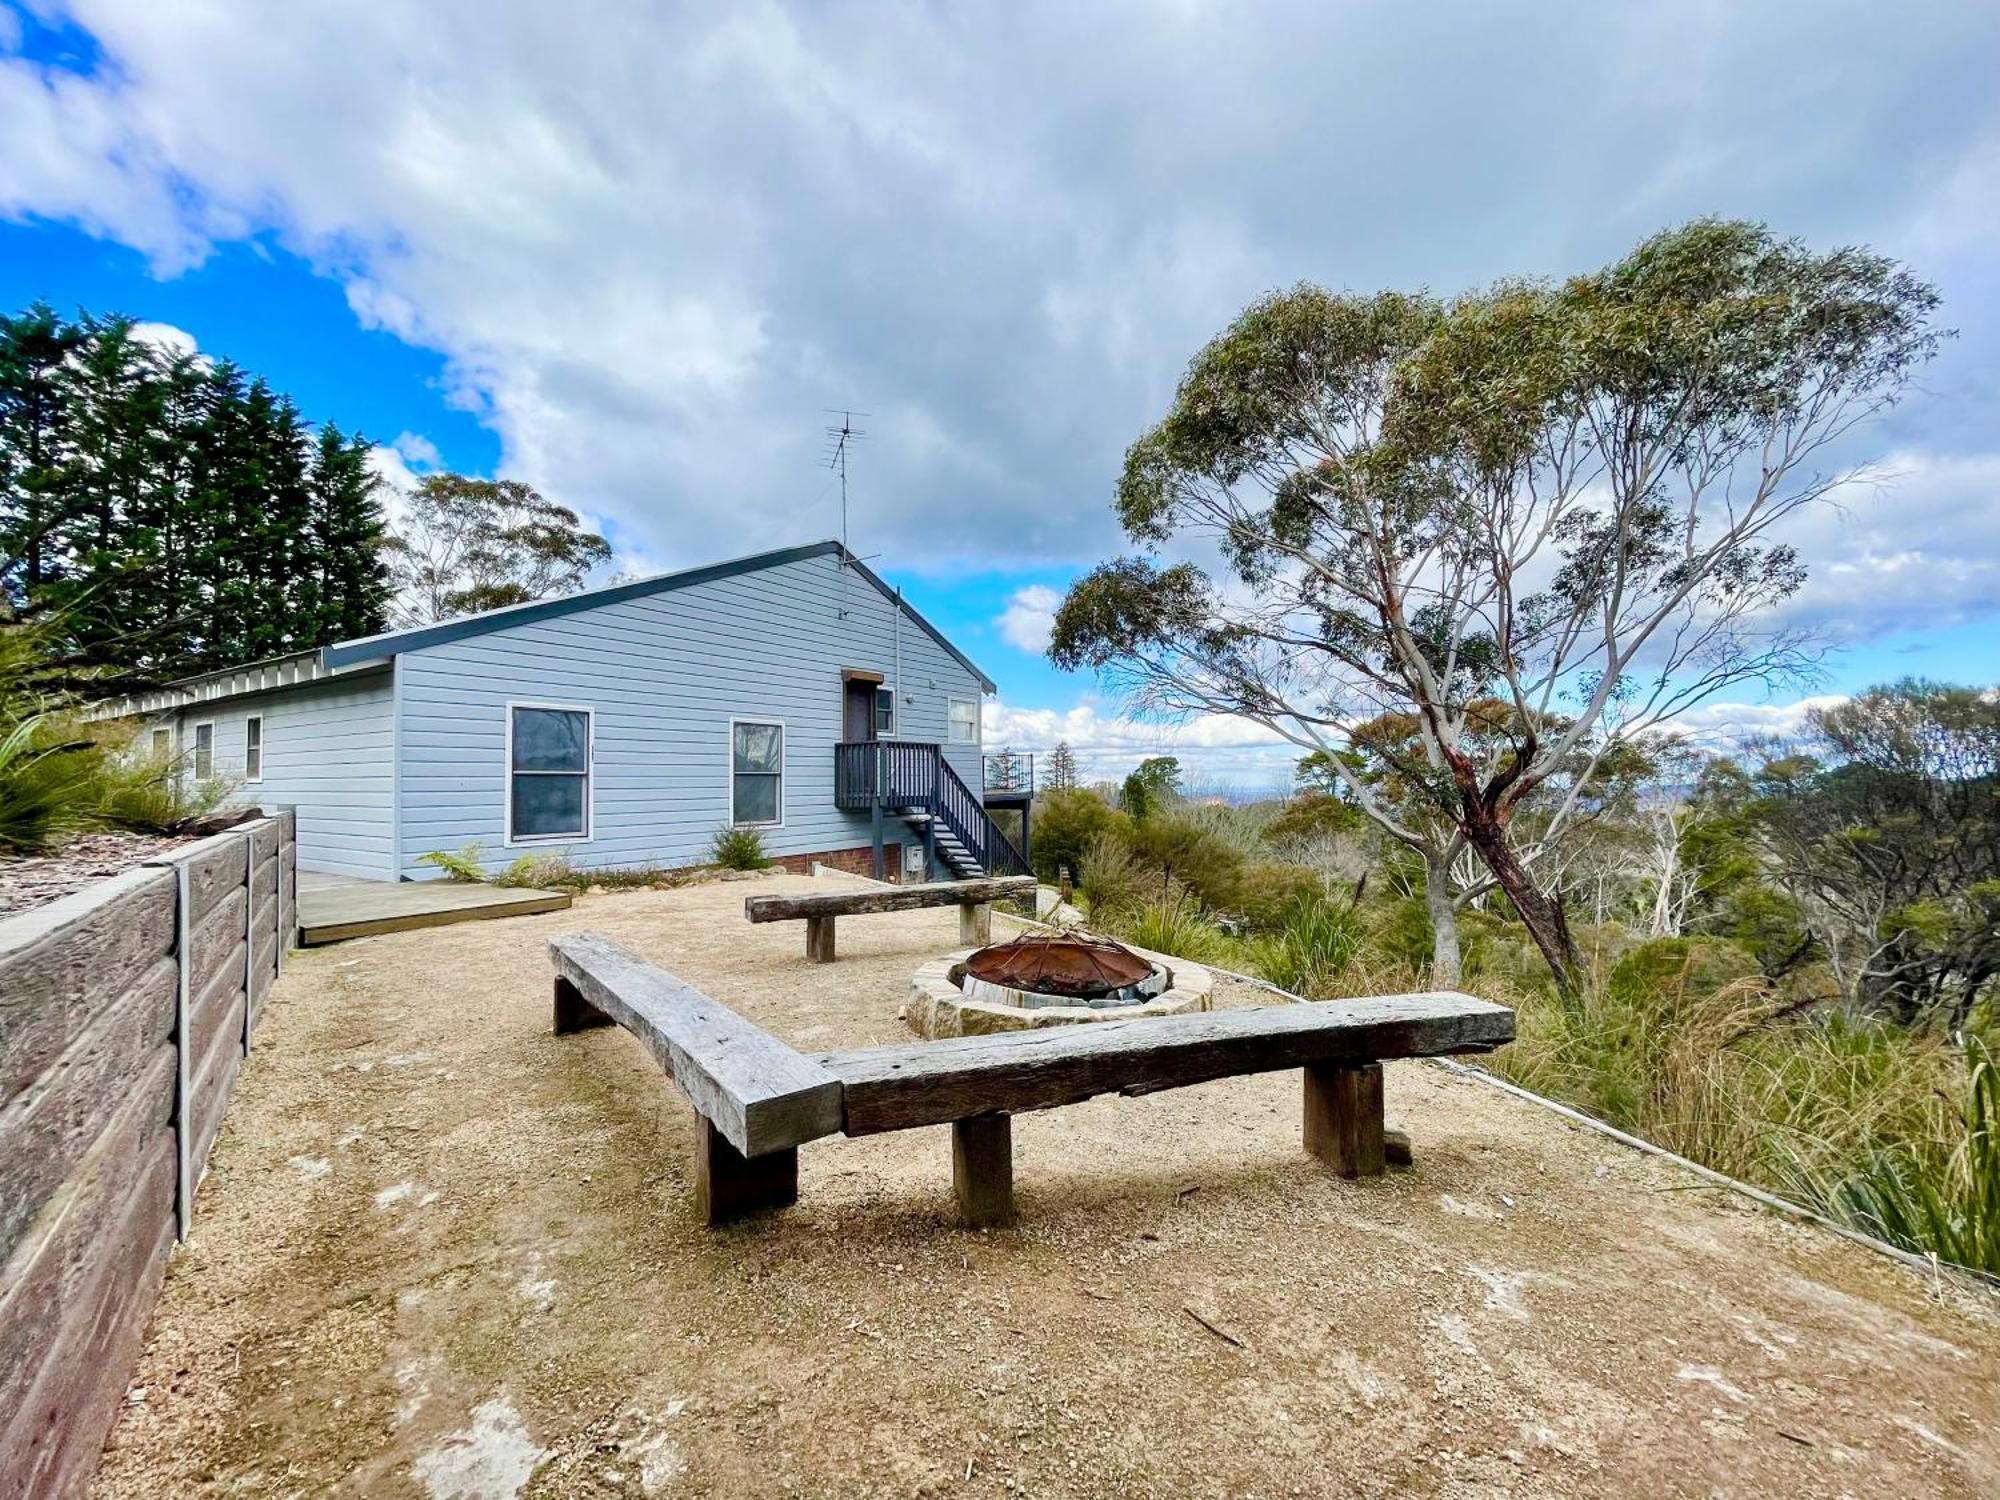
(793, 692)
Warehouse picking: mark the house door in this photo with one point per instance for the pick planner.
(858, 696)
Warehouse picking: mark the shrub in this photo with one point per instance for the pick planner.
(1066, 823)
(467, 863)
(1187, 851)
(1267, 892)
(739, 849)
(1175, 924)
(538, 872)
(153, 794)
(1312, 948)
(1949, 1208)
(48, 779)
(1110, 878)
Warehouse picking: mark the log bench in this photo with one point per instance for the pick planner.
(973, 898)
(759, 1100)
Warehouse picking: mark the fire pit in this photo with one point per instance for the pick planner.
(1049, 979)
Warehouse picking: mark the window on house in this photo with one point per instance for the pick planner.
(964, 721)
(757, 773)
(253, 748)
(548, 791)
(163, 744)
(204, 751)
(885, 712)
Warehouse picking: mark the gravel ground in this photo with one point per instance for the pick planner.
(441, 1252)
(35, 880)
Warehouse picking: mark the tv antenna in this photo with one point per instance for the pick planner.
(840, 441)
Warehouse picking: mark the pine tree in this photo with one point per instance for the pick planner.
(169, 514)
(1061, 772)
(35, 350)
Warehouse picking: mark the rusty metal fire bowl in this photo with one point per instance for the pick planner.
(1050, 979)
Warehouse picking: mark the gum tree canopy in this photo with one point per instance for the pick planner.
(1564, 497)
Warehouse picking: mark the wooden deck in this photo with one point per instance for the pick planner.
(336, 907)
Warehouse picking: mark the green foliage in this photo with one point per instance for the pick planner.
(467, 863)
(1379, 476)
(739, 849)
(1312, 947)
(1110, 878)
(1066, 824)
(48, 780)
(156, 794)
(538, 872)
(1156, 783)
(1175, 924)
(1188, 852)
(1950, 1209)
(1059, 772)
(466, 545)
(1267, 892)
(174, 514)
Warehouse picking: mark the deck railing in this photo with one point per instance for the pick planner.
(913, 775)
(1007, 774)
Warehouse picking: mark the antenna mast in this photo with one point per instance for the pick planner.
(840, 441)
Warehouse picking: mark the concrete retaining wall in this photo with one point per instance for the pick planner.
(125, 1014)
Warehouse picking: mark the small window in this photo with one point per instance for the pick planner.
(253, 748)
(204, 751)
(163, 744)
(885, 712)
(757, 773)
(964, 725)
(548, 791)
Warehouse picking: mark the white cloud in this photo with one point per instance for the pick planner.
(1003, 233)
(166, 337)
(417, 449)
(1029, 617)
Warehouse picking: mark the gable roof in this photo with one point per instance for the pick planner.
(391, 643)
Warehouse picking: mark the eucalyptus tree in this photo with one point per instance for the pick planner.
(468, 544)
(1566, 497)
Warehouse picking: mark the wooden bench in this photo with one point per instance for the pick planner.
(759, 1100)
(973, 898)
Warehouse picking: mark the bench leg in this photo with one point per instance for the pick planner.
(982, 1170)
(819, 940)
(1344, 1116)
(573, 1012)
(729, 1185)
(975, 923)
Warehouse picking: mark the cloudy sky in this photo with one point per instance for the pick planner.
(633, 253)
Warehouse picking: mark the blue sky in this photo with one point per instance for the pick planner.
(633, 261)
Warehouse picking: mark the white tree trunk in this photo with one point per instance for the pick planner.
(1446, 973)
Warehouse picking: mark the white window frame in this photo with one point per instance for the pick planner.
(952, 702)
(160, 742)
(194, 751)
(250, 778)
(882, 690)
(729, 764)
(537, 840)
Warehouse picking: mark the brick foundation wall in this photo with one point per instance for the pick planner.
(859, 861)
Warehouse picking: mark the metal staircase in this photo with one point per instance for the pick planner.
(911, 780)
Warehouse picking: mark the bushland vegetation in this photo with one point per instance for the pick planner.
(1787, 957)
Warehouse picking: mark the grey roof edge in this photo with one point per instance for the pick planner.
(417, 638)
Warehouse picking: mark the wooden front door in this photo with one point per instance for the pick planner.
(858, 719)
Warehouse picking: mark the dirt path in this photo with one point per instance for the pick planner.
(441, 1252)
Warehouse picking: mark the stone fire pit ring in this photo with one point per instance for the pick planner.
(939, 1008)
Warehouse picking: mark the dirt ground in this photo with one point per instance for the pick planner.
(440, 1252)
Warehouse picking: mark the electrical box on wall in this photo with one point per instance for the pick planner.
(913, 861)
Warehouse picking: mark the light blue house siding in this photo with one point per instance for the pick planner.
(328, 750)
(663, 675)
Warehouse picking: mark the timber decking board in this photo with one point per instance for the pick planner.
(333, 908)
